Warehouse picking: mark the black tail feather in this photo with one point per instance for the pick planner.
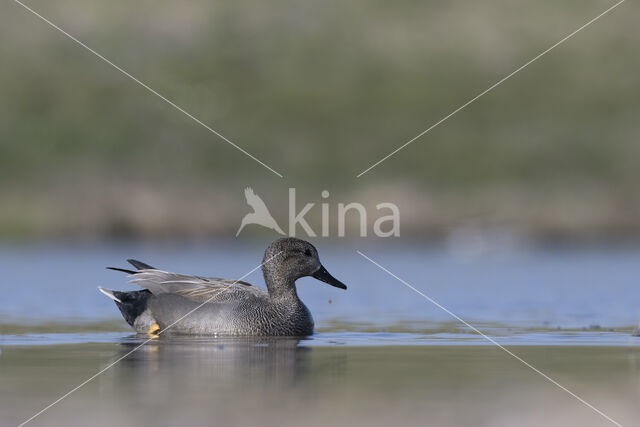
(132, 304)
(124, 270)
(140, 265)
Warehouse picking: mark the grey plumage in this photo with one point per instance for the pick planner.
(227, 307)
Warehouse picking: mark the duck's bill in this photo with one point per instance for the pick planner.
(323, 275)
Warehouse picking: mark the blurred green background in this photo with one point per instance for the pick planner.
(319, 91)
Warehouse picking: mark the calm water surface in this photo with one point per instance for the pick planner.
(565, 288)
(382, 355)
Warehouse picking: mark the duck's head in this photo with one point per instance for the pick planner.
(289, 259)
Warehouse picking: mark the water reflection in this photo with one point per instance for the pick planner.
(275, 382)
(278, 361)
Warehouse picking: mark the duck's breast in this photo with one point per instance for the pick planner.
(287, 319)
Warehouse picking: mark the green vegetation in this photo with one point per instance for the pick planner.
(319, 91)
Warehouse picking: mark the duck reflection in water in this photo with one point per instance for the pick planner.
(222, 360)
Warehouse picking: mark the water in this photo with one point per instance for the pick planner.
(206, 381)
(559, 288)
(382, 354)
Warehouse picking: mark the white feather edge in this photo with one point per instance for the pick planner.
(109, 293)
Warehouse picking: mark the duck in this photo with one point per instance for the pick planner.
(194, 305)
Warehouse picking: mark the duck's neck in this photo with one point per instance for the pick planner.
(280, 286)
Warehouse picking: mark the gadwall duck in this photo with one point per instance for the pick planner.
(201, 305)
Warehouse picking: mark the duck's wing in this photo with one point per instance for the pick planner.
(196, 288)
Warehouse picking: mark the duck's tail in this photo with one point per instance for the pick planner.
(110, 293)
(131, 304)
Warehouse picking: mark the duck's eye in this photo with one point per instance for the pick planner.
(307, 252)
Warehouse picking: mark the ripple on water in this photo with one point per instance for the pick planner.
(507, 337)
